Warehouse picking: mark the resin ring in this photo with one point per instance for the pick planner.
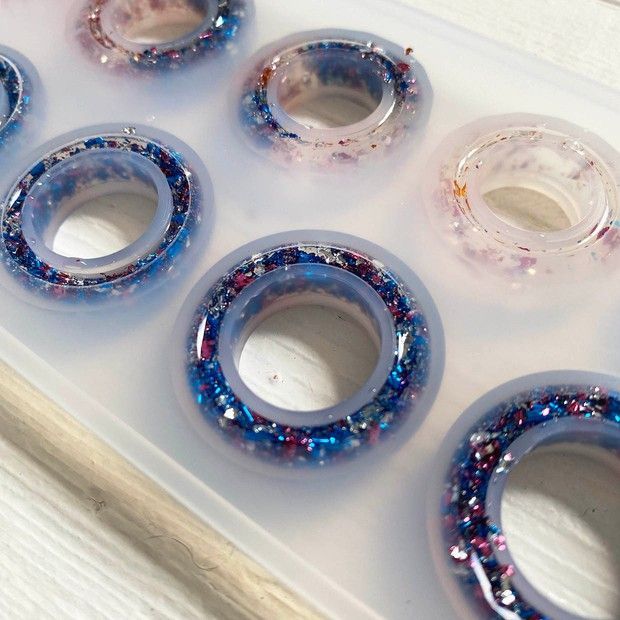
(15, 92)
(539, 161)
(290, 269)
(97, 163)
(511, 422)
(369, 93)
(118, 32)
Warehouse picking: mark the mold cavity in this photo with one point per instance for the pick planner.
(559, 514)
(143, 22)
(328, 88)
(95, 208)
(307, 338)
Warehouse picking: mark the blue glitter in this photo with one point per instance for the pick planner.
(22, 258)
(307, 444)
(15, 83)
(471, 533)
(217, 36)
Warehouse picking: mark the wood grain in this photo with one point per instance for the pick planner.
(205, 567)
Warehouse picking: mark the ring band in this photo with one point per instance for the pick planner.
(232, 301)
(572, 167)
(385, 80)
(15, 94)
(102, 23)
(478, 551)
(84, 164)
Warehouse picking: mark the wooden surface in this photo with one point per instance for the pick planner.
(84, 535)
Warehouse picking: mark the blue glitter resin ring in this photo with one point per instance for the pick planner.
(385, 89)
(110, 30)
(85, 166)
(581, 411)
(226, 307)
(15, 93)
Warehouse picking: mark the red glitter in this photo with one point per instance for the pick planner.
(241, 280)
(206, 349)
(482, 546)
(602, 232)
(373, 433)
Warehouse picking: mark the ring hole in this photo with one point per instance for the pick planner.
(309, 343)
(144, 23)
(102, 225)
(559, 514)
(308, 357)
(546, 187)
(527, 209)
(92, 211)
(329, 88)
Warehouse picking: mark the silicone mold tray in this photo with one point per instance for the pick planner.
(353, 538)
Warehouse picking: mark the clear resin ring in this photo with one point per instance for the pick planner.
(527, 196)
(92, 164)
(158, 33)
(16, 85)
(511, 422)
(299, 268)
(330, 96)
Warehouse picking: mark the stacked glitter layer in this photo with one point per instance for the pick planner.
(22, 258)
(473, 538)
(16, 89)
(301, 444)
(110, 50)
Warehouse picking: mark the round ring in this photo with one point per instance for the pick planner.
(91, 164)
(502, 436)
(15, 93)
(254, 281)
(104, 24)
(388, 87)
(572, 167)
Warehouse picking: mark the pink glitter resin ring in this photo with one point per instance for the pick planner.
(489, 439)
(566, 164)
(129, 32)
(376, 93)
